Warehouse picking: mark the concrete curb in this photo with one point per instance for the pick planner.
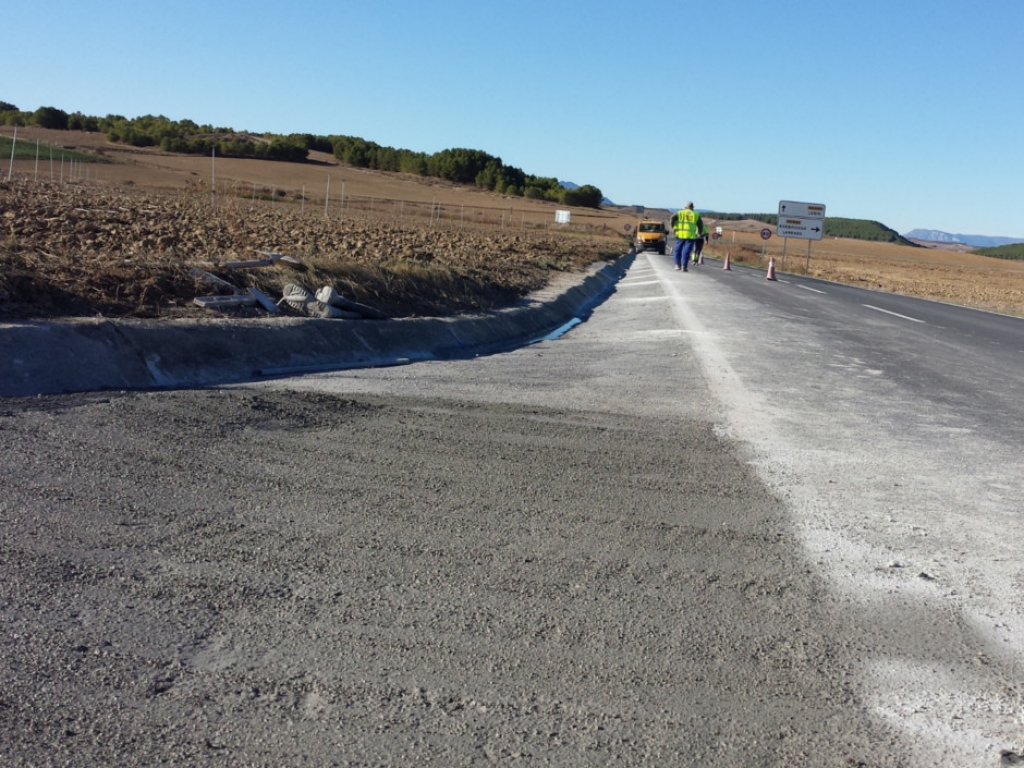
(38, 358)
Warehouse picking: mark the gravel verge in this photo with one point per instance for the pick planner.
(270, 578)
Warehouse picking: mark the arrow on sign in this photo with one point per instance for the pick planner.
(801, 210)
(805, 229)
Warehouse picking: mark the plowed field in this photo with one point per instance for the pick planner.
(123, 237)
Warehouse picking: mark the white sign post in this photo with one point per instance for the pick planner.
(805, 221)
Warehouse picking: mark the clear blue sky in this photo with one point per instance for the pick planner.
(905, 111)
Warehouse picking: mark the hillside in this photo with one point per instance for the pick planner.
(1014, 252)
(976, 241)
(100, 228)
(460, 165)
(857, 229)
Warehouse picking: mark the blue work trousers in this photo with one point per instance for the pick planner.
(681, 252)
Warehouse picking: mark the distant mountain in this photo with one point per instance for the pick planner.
(977, 241)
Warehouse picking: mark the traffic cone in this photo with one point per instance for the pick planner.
(726, 264)
(700, 259)
(771, 269)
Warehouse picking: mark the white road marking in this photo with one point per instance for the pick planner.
(894, 314)
(812, 290)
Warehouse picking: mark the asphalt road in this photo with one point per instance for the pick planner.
(723, 522)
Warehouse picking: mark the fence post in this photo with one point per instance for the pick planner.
(14, 143)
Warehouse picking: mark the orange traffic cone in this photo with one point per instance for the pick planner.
(771, 269)
(726, 264)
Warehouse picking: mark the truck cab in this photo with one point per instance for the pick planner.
(651, 234)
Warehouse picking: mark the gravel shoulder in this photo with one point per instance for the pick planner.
(277, 577)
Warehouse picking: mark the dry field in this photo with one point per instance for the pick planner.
(122, 238)
(944, 275)
(119, 238)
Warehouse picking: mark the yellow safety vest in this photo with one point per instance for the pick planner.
(686, 224)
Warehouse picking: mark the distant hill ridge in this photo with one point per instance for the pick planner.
(835, 226)
(978, 241)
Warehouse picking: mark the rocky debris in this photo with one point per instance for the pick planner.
(329, 296)
(303, 301)
(224, 302)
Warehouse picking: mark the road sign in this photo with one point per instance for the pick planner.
(766, 233)
(805, 229)
(791, 209)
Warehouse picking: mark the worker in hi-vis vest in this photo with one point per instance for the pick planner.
(687, 225)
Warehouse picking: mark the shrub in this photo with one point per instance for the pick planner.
(587, 196)
(51, 117)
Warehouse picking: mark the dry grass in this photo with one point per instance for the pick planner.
(958, 278)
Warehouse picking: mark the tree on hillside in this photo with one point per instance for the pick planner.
(289, 150)
(358, 154)
(460, 165)
(412, 162)
(11, 115)
(79, 122)
(311, 142)
(354, 151)
(51, 117)
(587, 196)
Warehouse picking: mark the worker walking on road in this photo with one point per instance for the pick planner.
(701, 241)
(686, 224)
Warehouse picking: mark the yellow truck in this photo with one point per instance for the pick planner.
(651, 234)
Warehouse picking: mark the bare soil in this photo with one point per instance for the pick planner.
(121, 237)
(83, 249)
